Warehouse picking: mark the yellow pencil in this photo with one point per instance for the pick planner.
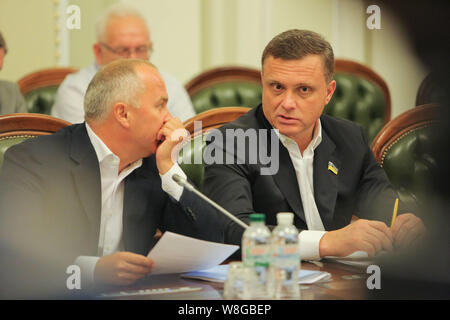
(394, 214)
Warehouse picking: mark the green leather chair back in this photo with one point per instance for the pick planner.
(224, 87)
(361, 96)
(190, 159)
(41, 100)
(39, 88)
(190, 156)
(6, 142)
(405, 149)
(360, 101)
(430, 91)
(18, 127)
(410, 164)
(227, 94)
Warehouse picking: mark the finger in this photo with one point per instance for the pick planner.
(166, 134)
(138, 259)
(404, 236)
(126, 278)
(410, 233)
(400, 222)
(173, 124)
(136, 269)
(384, 241)
(381, 226)
(368, 247)
(162, 133)
(398, 225)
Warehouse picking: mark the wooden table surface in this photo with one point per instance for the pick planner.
(347, 283)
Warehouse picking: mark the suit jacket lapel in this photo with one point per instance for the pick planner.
(137, 229)
(142, 204)
(86, 175)
(325, 181)
(285, 178)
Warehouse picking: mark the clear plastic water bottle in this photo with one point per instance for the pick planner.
(285, 264)
(256, 255)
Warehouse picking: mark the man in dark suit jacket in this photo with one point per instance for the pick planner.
(11, 100)
(326, 171)
(61, 196)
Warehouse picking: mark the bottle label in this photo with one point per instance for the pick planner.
(258, 255)
(287, 251)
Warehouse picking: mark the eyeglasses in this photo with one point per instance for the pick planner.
(143, 51)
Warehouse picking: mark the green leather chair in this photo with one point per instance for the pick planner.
(224, 87)
(39, 88)
(405, 149)
(191, 155)
(18, 127)
(361, 96)
(190, 160)
(429, 91)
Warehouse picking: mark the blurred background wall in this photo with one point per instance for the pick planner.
(191, 36)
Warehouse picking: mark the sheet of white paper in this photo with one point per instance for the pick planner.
(175, 253)
(356, 259)
(357, 255)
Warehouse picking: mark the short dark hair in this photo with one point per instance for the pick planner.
(296, 44)
(3, 43)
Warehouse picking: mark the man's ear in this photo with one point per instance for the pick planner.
(121, 114)
(97, 48)
(330, 90)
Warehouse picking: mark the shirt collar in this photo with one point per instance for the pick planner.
(103, 152)
(316, 140)
(100, 147)
(96, 66)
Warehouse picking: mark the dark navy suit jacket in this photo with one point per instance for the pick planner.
(50, 202)
(360, 186)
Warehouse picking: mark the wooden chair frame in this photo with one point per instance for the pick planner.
(44, 78)
(215, 118)
(29, 124)
(394, 130)
(222, 74)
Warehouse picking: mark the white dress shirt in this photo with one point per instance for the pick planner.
(112, 189)
(303, 165)
(69, 100)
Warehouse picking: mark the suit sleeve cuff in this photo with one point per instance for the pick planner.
(309, 244)
(87, 267)
(170, 186)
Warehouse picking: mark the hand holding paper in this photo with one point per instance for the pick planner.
(175, 253)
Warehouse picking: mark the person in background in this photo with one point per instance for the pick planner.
(122, 33)
(11, 100)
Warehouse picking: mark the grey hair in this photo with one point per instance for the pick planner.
(115, 82)
(117, 10)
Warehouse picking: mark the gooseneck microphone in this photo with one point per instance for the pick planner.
(184, 183)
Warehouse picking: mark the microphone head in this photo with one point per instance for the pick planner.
(178, 179)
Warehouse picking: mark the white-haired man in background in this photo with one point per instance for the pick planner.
(121, 33)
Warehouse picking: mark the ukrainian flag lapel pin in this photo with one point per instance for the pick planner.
(332, 167)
